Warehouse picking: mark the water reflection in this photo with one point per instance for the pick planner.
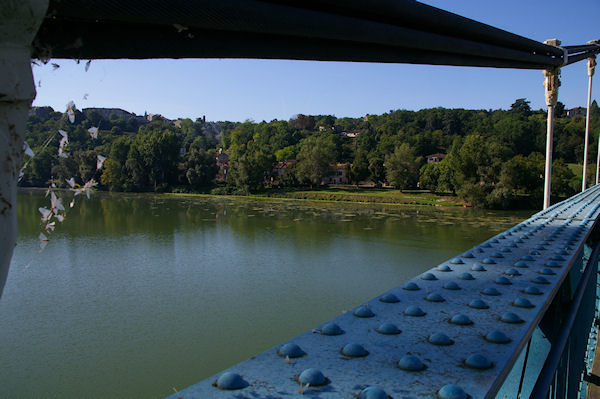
(136, 294)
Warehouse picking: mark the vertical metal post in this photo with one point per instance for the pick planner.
(551, 84)
(18, 26)
(548, 167)
(591, 66)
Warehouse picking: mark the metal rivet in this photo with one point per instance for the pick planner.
(440, 339)
(477, 267)
(512, 272)
(562, 252)
(466, 276)
(388, 329)
(331, 329)
(497, 255)
(528, 258)
(373, 393)
(452, 391)
(434, 297)
(461, 320)
(428, 276)
(533, 291)
(354, 350)
(505, 250)
(511, 318)
(291, 350)
(534, 252)
(478, 361)
(547, 271)
(495, 241)
(521, 264)
(363, 311)
(313, 377)
(540, 247)
(413, 310)
(503, 281)
(389, 298)
(490, 291)
(478, 304)
(457, 261)
(553, 263)
(231, 381)
(443, 268)
(488, 261)
(468, 255)
(486, 245)
(540, 280)
(451, 285)
(523, 303)
(557, 257)
(497, 337)
(411, 287)
(411, 363)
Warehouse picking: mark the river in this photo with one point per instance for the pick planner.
(138, 294)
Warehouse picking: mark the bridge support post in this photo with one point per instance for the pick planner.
(18, 26)
(551, 84)
(591, 65)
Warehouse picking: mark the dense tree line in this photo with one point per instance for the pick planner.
(493, 156)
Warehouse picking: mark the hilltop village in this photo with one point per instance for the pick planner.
(487, 158)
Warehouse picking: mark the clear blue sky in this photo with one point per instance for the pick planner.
(237, 90)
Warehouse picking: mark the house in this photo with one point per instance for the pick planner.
(339, 174)
(350, 133)
(577, 111)
(280, 170)
(435, 158)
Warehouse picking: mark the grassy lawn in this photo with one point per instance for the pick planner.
(377, 195)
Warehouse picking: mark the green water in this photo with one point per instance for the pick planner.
(137, 294)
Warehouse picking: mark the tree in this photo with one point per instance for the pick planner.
(201, 167)
(152, 159)
(360, 167)
(429, 176)
(402, 168)
(317, 153)
(376, 170)
(521, 106)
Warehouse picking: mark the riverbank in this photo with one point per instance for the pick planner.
(351, 194)
(367, 195)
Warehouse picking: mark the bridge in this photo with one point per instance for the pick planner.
(510, 318)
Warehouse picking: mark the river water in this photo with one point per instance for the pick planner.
(138, 294)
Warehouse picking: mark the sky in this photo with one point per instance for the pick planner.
(239, 90)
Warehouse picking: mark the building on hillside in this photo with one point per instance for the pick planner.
(106, 113)
(338, 175)
(350, 133)
(41, 112)
(280, 169)
(577, 111)
(435, 158)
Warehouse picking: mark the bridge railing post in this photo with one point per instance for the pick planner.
(591, 65)
(551, 84)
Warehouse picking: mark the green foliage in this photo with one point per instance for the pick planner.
(315, 157)
(201, 168)
(493, 156)
(360, 167)
(402, 168)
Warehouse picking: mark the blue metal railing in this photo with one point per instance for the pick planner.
(460, 330)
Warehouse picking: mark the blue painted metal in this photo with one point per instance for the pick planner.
(450, 348)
